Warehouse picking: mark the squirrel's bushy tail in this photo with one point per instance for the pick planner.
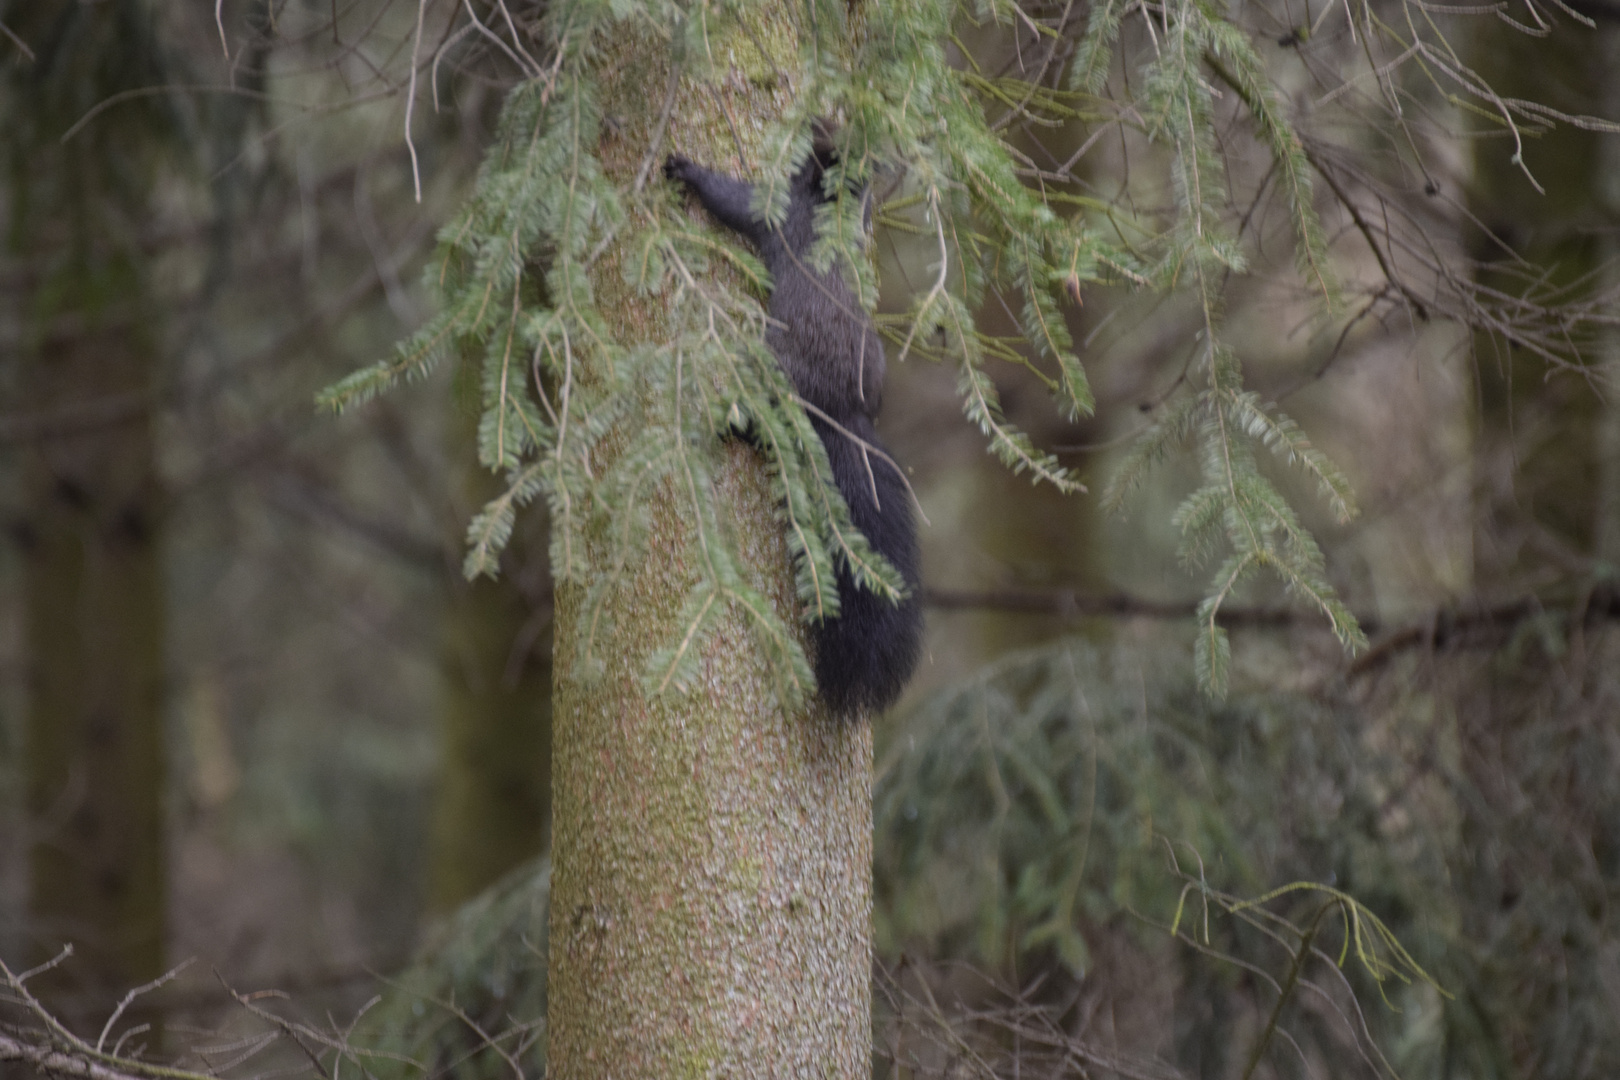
(863, 657)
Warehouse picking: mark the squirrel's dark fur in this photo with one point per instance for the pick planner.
(824, 341)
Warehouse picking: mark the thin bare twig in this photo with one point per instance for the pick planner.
(18, 980)
(219, 21)
(295, 1032)
(166, 977)
(17, 41)
(67, 1053)
(410, 98)
(867, 448)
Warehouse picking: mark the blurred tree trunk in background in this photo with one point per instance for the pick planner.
(89, 534)
(1607, 546)
(1542, 473)
(94, 628)
(493, 805)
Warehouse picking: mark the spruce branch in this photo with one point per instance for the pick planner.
(1008, 228)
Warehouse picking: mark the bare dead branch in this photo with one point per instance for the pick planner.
(52, 1062)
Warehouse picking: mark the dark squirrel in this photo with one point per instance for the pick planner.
(826, 344)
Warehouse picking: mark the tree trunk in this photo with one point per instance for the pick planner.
(95, 655)
(1606, 528)
(1545, 494)
(89, 535)
(711, 891)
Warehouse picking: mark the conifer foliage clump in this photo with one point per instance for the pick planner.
(911, 108)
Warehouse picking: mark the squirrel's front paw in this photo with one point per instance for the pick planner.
(675, 167)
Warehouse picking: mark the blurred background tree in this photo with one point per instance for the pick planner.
(248, 204)
(89, 522)
(251, 711)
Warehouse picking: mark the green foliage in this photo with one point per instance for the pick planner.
(560, 387)
(1068, 805)
(1067, 799)
(473, 1002)
(1037, 800)
(1235, 501)
(1256, 521)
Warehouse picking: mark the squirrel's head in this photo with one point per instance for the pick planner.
(824, 154)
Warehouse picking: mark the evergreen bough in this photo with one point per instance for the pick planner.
(555, 381)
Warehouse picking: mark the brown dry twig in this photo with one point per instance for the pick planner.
(39, 1039)
(58, 1050)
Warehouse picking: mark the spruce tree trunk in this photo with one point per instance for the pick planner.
(711, 890)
